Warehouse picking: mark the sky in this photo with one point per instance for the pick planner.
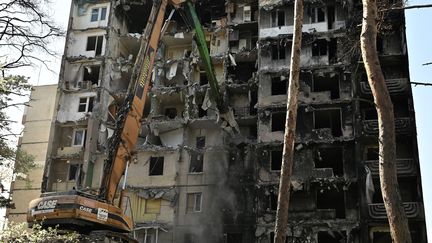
(419, 38)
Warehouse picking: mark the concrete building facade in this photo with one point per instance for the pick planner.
(37, 121)
(192, 182)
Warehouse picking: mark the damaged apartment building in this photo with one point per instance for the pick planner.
(190, 181)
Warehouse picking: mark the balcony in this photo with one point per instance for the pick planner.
(405, 167)
(402, 126)
(69, 151)
(412, 210)
(395, 86)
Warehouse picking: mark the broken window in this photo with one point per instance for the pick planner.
(85, 104)
(94, 43)
(276, 160)
(156, 166)
(171, 113)
(381, 237)
(330, 158)
(370, 114)
(196, 162)
(273, 201)
(333, 201)
(98, 14)
(73, 172)
(372, 153)
(152, 206)
(91, 73)
(326, 83)
(331, 119)
(278, 121)
(233, 238)
(243, 72)
(317, 15)
(278, 52)
(203, 78)
(200, 142)
(278, 86)
(79, 136)
(331, 236)
(278, 18)
(194, 202)
(319, 48)
(201, 111)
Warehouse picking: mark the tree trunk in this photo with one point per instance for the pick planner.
(387, 144)
(290, 127)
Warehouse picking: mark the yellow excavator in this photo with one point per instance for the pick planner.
(83, 212)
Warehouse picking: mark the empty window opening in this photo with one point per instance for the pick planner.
(73, 172)
(94, 43)
(201, 111)
(196, 162)
(171, 113)
(200, 142)
(98, 14)
(330, 158)
(278, 18)
(331, 17)
(273, 200)
(331, 237)
(278, 86)
(332, 51)
(325, 83)
(278, 121)
(152, 206)
(404, 148)
(381, 237)
(243, 72)
(156, 166)
(372, 153)
(278, 52)
(86, 104)
(317, 15)
(91, 73)
(79, 137)
(203, 78)
(276, 160)
(233, 238)
(194, 202)
(379, 45)
(408, 190)
(370, 114)
(332, 200)
(401, 108)
(319, 48)
(329, 119)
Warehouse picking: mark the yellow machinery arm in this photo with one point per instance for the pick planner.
(80, 210)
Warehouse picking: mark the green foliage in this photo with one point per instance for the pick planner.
(10, 157)
(20, 233)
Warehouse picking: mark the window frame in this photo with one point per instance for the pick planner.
(87, 105)
(194, 207)
(75, 131)
(157, 158)
(96, 44)
(98, 14)
(274, 18)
